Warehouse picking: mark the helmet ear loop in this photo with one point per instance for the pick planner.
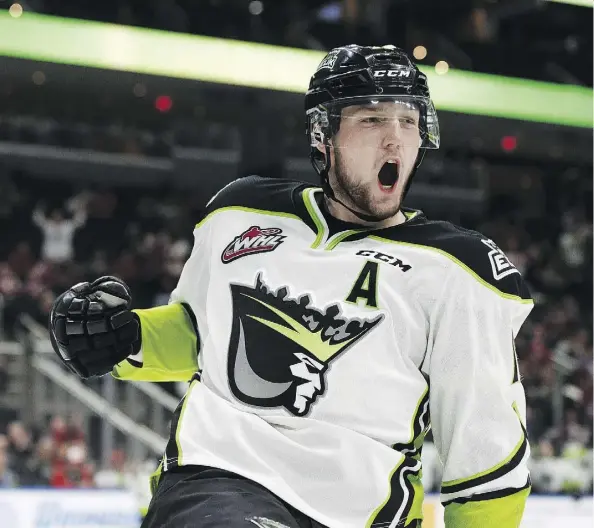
(333, 126)
(325, 174)
(321, 160)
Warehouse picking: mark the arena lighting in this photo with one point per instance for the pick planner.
(121, 48)
(15, 10)
(256, 7)
(509, 143)
(163, 103)
(139, 90)
(38, 78)
(420, 52)
(581, 3)
(442, 67)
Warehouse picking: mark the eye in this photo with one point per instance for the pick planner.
(408, 122)
(373, 120)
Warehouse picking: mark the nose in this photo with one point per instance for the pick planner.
(393, 134)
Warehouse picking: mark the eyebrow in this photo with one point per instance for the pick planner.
(368, 107)
(374, 108)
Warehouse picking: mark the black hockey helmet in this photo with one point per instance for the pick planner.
(352, 75)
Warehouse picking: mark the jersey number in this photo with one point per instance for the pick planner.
(365, 286)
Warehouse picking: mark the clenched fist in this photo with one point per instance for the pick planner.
(92, 328)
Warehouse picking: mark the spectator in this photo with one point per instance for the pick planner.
(21, 454)
(116, 475)
(71, 468)
(3, 373)
(574, 239)
(43, 459)
(58, 232)
(7, 478)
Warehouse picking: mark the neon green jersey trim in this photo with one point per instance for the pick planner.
(502, 512)
(169, 346)
(416, 508)
(415, 440)
(339, 238)
(508, 296)
(246, 210)
(490, 470)
(155, 477)
(496, 466)
(180, 422)
(379, 508)
(308, 201)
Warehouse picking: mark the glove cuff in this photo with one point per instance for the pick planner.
(138, 343)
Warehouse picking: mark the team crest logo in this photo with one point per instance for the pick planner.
(500, 264)
(329, 60)
(254, 240)
(281, 347)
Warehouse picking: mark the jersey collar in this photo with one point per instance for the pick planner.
(330, 231)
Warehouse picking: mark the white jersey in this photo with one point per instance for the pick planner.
(325, 351)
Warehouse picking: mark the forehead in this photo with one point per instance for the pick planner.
(382, 107)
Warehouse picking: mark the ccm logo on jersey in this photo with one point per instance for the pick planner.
(254, 240)
(500, 264)
(382, 257)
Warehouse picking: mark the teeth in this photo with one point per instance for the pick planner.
(391, 161)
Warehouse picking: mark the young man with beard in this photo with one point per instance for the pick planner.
(321, 329)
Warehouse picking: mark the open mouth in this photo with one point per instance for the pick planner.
(388, 175)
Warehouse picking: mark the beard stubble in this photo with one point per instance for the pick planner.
(358, 193)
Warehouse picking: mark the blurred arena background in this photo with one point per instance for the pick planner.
(120, 119)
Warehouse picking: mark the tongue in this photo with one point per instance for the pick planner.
(388, 174)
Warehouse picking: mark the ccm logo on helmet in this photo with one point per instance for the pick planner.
(392, 73)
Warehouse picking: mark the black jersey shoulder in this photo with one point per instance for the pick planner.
(470, 249)
(255, 192)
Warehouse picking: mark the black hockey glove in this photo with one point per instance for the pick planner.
(92, 328)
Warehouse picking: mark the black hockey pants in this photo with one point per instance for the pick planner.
(198, 497)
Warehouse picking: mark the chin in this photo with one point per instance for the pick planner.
(387, 201)
(384, 212)
(384, 215)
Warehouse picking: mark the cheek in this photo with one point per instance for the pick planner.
(356, 159)
(360, 166)
(410, 156)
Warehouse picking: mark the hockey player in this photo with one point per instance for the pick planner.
(321, 329)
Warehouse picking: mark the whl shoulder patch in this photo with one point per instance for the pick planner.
(253, 240)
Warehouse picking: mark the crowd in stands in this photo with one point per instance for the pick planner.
(57, 455)
(84, 135)
(58, 235)
(63, 239)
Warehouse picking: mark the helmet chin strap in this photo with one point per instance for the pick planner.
(329, 192)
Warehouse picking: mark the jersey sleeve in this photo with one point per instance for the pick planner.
(170, 339)
(169, 346)
(477, 402)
